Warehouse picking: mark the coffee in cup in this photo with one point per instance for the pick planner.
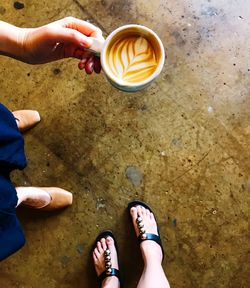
(132, 56)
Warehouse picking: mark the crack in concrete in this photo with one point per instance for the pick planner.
(197, 164)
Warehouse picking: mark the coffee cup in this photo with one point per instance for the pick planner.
(132, 56)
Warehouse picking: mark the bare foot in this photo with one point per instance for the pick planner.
(98, 257)
(150, 249)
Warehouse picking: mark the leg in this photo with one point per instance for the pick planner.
(11, 235)
(153, 274)
(12, 157)
(99, 262)
(26, 119)
(46, 198)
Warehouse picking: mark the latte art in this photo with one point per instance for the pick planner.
(132, 59)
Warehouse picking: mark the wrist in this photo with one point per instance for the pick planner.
(12, 41)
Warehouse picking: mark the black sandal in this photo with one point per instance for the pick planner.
(139, 221)
(109, 271)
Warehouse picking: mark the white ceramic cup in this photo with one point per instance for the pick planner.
(131, 30)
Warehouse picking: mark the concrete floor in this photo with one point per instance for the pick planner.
(182, 145)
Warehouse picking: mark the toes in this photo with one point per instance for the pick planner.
(134, 215)
(96, 253)
(139, 211)
(110, 241)
(144, 212)
(95, 257)
(133, 212)
(99, 247)
(104, 245)
(152, 217)
(147, 212)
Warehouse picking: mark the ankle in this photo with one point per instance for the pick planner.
(111, 282)
(151, 252)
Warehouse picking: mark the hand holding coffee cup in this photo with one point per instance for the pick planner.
(132, 56)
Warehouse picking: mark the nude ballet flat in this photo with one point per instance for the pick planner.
(26, 119)
(60, 198)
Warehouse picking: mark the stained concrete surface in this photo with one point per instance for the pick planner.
(182, 145)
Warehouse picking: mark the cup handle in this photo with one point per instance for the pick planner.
(96, 45)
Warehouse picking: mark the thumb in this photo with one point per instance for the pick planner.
(69, 35)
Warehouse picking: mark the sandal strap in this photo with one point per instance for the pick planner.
(114, 272)
(152, 237)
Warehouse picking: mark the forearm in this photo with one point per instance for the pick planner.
(11, 41)
(54, 41)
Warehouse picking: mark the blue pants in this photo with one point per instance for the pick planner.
(11, 157)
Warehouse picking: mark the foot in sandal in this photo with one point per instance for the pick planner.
(106, 260)
(146, 230)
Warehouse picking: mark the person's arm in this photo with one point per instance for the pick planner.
(10, 39)
(64, 38)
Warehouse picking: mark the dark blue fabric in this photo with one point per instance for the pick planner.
(11, 157)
